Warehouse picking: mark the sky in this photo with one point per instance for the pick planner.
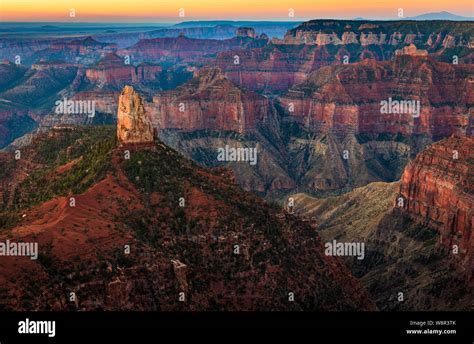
(170, 10)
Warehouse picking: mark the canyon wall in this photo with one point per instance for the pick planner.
(112, 70)
(434, 35)
(184, 49)
(438, 188)
(286, 62)
(209, 101)
(348, 98)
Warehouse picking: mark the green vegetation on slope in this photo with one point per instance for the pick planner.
(93, 144)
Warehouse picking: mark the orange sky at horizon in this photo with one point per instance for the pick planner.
(168, 10)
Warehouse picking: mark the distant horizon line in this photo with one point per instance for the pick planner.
(227, 20)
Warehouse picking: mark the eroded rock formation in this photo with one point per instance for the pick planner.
(133, 124)
(350, 98)
(438, 187)
(323, 32)
(209, 101)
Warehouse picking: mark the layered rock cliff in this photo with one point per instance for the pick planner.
(112, 71)
(418, 233)
(277, 67)
(438, 188)
(432, 34)
(333, 134)
(209, 101)
(133, 124)
(184, 49)
(404, 254)
(284, 63)
(439, 98)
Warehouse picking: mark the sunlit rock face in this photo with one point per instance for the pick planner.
(438, 187)
(133, 124)
(209, 101)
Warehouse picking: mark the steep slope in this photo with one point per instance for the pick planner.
(276, 67)
(209, 113)
(329, 134)
(209, 101)
(348, 98)
(409, 246)
(181, 223)
(26, 94)
(317, 43)
(41, 84)
(438, 186)
(184, 49)
(11, 73)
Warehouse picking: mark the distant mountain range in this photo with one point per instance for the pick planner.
(440, 16)
(443, 15)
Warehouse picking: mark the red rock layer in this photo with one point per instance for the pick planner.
(348, 97)
(184, 48)
(273, 67)
(209, 101)
(112, 70)
(438, 187)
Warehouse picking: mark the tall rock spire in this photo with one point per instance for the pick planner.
(133, 124)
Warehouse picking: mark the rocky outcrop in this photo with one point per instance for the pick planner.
(209, 101)
(133, 248)
(360, 98)
(133, 124)
(180, 271)
(438, 188)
